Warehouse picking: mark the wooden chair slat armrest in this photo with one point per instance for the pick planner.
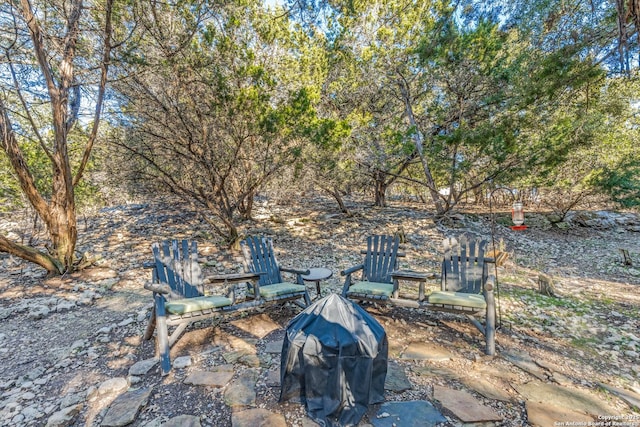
(233, 278)
(158, 288)
(295, 271)
(351, 270)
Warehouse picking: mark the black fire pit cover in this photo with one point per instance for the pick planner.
(334, 358)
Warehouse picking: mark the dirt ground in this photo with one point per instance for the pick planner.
(61, 338)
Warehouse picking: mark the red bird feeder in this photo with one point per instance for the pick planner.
(517, 216)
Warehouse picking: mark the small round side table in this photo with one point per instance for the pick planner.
(316, 275)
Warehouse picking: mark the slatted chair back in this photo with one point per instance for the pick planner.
(464, 264)
(259, 257)
(176, 264)
(381, 258)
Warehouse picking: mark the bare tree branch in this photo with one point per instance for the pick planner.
(27, 183)
(104, 69)
(27, 110)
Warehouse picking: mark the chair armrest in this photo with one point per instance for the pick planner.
(232, 278)
(352, 270)
(294, 271)
(347, 281)
(158, 288)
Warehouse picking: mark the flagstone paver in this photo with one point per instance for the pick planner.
(242, 391)
(414, 413)
(527, 364)
(632, 398)
(257, 417)
(218, 376)
(434, 371)
(181, 362)
(464, 406)
(545, 414)
(183, 421)
(396, 379)
(576, 399)
(142, 367)
(487, 388)
(125, 408)
(426, 351)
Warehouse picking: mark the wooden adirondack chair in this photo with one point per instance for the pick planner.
(467, 287)
(377, 281)
(179, 294)
(260, 259)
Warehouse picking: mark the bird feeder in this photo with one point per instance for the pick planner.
(517, 216)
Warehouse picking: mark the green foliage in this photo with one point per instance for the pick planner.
(621, 183)
(217, 120)
(503, 93)
(10, 192)
(41, 168)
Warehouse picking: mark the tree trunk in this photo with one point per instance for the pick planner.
(63, 230)
(233, 236)
(59, 213)
(380, 189)
(335, 193)
(51, 264)
(418, 140)
(245, 207)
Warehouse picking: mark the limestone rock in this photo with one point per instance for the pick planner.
(257, 417)
(142, 367)
(125, 408)
(112, 386)
(183, 421)
(242, 392)
(64, 417)
(545, 414)
(38, 312)
(415, 413)
(396, 379)
(181, 362)
(464, 406)
(216, 378)
(632, 398)
(574, 398)
(426, 351)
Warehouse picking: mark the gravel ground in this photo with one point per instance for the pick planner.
(63, 338)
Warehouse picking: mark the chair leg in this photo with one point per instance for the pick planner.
(347, 284)
(162, 336)
(307, 298)
(490, 329)
(151, 326)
